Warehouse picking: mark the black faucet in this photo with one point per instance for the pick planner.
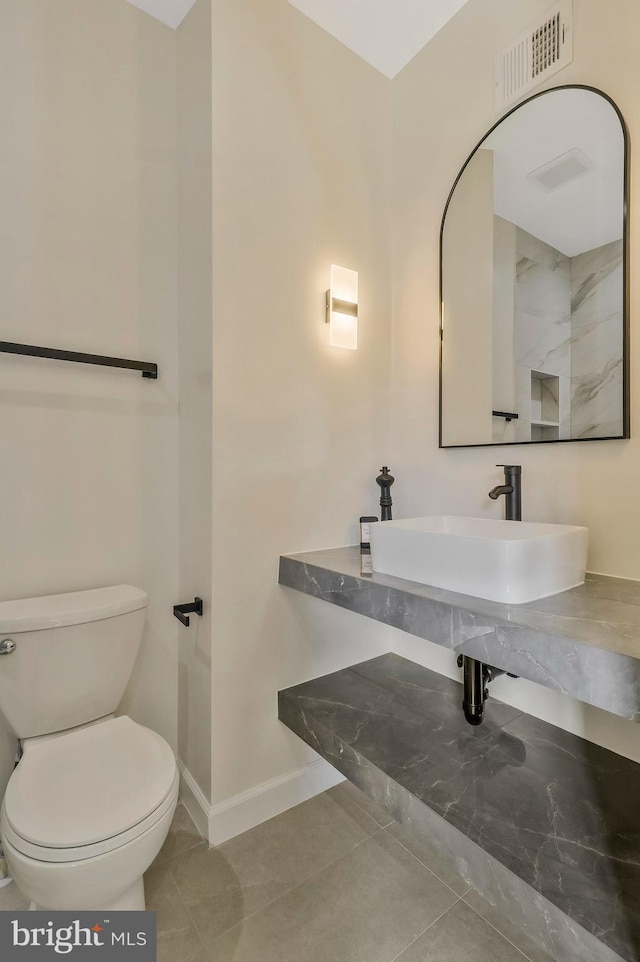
(512, 491)
(477, 675)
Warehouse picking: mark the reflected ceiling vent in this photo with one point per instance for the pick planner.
(539, 53)
(561, 170)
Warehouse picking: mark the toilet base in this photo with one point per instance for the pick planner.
(130, 901)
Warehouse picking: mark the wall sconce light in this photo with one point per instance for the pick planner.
(342, 308)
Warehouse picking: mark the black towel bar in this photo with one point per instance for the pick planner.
(148, 369)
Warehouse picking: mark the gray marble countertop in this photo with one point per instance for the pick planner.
(584, 642)
(604, 612)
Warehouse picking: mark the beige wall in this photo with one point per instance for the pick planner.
(301, 167)
(440, 110)
(88, 485)
(195, 267)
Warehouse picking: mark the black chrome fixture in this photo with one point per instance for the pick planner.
(182, 612)
(512, 491)
(148, 369)
(507, 415)
(476, 675)
(385, 480)
(476, 678)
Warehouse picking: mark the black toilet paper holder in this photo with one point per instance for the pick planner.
(182, 612)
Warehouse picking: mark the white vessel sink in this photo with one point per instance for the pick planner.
(508, 561)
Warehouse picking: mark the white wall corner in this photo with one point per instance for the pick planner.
(221, 822)
(171, 12)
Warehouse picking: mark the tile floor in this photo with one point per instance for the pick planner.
(328, 881)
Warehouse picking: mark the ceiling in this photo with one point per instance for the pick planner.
(385, 33)
(583, 213)
(171, 12)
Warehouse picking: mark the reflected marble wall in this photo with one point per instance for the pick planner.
(596, 342)
(542, 341)
(568, 325)
(543, 307)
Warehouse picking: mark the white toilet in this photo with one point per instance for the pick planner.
(90, 803)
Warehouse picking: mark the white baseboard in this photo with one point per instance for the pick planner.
(227, 819)
(194, 800)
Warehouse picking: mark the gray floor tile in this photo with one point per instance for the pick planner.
(442, 867)
(177, 935)
(366, 907)
(348, 791)
(182, 836)
(320, 882)
(461, 936)
(224, 885)
(158, 861)
(12, 899)
(509, 929)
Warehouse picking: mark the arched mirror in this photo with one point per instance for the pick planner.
(533, 274)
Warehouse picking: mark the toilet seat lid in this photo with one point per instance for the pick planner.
(89, 785)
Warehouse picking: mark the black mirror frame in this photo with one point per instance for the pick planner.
(626, 416)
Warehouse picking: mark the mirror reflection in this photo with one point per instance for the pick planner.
(533, 278)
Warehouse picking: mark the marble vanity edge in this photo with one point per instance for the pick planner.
(603, 612)
(588, 671)
(496, 891)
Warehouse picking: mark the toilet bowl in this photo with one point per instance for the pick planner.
(90, 802)
(86, 813)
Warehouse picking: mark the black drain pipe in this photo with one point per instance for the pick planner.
(476, 677)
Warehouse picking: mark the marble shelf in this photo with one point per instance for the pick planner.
(584, 642)
(541, 824)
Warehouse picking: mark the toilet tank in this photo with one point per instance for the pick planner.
(73, 656)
